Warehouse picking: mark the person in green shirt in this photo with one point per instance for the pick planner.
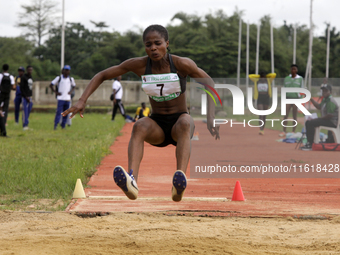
(329, 115)
(293, 81)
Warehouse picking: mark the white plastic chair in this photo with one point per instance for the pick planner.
(335, 131)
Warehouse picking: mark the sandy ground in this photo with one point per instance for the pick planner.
(160, 233)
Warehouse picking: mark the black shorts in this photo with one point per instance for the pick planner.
(263, 99)
(166, 122)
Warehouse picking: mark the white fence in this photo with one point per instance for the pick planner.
(132, 93)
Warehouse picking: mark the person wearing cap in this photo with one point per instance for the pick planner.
(65, 85)
(18, 98)
(329, 115)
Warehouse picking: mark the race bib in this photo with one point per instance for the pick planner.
(161, 87)
(262, 87)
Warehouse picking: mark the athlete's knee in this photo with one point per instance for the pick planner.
(140, 127)
(183, 124)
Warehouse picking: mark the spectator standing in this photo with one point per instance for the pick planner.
(117, 95)
(65, 86)
(293, 81)
(6, 85)
(3, 132)
(26, 87)
(18, 99)
(263, 94)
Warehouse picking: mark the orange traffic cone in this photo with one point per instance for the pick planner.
(238, 194)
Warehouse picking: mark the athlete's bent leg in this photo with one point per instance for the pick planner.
(147, 130)
(182, 132)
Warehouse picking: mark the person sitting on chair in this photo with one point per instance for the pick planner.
(329, 115)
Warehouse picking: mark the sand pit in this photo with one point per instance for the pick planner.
(158, 233)
(266, 222)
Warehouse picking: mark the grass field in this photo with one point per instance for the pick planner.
(45, 164)
(39, 167)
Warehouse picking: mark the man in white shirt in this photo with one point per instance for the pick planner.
(117, 91)
(6, 85)
(65, 85)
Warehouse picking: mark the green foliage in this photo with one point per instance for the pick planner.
(210, 40)
(43, 163)
(19, 52)
(37, 19)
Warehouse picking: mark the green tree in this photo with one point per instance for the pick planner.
(19, 52)
(210, 40)
(37, 18)
(99, 25)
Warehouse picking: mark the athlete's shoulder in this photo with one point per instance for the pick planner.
(136, 65)
(136, 62)
(183, 63)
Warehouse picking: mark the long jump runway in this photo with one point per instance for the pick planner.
(265, 197)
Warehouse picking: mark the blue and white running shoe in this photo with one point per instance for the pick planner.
(179, 184)
(126, 182)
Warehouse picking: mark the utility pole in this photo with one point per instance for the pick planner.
(239, 52)
(63, 37)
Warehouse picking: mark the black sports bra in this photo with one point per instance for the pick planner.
(182, 80)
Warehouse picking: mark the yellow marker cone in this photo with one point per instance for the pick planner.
(79, 190)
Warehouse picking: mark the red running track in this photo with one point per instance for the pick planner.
(265, 197)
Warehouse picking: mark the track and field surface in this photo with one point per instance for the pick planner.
(268, 197)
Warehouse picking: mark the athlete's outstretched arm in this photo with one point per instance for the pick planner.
(110, 73)
(190, 68)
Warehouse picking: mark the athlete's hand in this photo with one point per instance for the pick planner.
(214, 131)
(77, 108)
